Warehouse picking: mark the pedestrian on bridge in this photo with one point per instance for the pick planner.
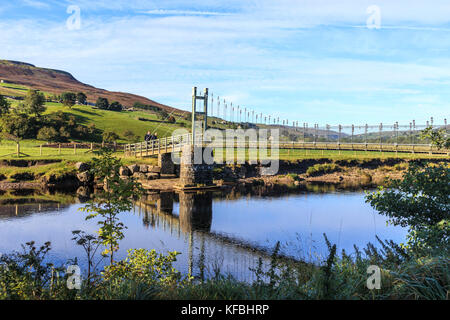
(148, 136)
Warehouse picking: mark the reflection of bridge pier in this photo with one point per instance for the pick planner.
(195, 215)
(194, 221)
(195, 211)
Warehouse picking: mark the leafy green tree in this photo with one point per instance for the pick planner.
(162, 115)
(420, 201)
(69, 99)
(116, 197)
(110, 136)
(34, 102)
(16, 127)
(4, 105)
(48, 134)
(437, 137)
(81, 98)
(115, 106)
(102, 103)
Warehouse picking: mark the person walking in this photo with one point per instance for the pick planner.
(148, 136)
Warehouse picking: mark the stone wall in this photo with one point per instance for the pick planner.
(165, 163)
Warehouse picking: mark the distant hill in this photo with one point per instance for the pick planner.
(57, 81)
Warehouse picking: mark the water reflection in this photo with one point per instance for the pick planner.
(215, 231)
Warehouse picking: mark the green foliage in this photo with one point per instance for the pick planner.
(130, 135)
(146, 267)
(115, 106)
(102, 103)
(81, 98)
(421, 201)
(34, 102)
(110, 136)
(319, 169)
(162, 115)
(117, 197)
(16, 126)
(437, 137)
(48, 134)
(143, 106)
(4, 106)
(68, 99)
(25, 275)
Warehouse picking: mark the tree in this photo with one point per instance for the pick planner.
(162, 115)
(15, 127)
(81, 98)
(116, 197)
(102, 103)
(115, 106)
(421, 201)
(68, 99)
(48, 134)
(34, 102)
(110, 136)
(437, 137)
(4, 105)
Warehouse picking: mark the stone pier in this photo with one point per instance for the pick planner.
(165, 163)
(193, 171)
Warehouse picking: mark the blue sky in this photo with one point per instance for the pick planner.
(308, 60)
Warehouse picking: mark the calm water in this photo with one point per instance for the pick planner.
(226, 230)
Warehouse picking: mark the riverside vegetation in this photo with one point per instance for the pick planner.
(417, 269)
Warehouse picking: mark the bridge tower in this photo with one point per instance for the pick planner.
(194, 172)
(195, 113)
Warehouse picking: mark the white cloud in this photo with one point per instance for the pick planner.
(259, 53)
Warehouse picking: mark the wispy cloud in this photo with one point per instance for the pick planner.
(185, 13)
(36, 4)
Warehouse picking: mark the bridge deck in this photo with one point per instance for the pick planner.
(175, 144)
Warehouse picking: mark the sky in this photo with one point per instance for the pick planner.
(316, 61)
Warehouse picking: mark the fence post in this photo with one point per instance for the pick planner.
(339, 139)
(365, 134)
(59, 148)
(40, 150)
(381, 139)
(74, 148)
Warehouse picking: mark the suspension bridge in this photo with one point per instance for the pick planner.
(392, 138)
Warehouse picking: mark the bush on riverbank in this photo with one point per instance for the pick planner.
(320, 169)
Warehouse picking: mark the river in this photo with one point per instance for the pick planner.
(222, 231)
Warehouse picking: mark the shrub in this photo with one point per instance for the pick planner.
(421, 201)
(319, 169)
(110, 136)
(48, 134)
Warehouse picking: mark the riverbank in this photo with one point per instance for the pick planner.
(21, 174)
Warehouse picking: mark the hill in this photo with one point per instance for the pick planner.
(57, 81)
